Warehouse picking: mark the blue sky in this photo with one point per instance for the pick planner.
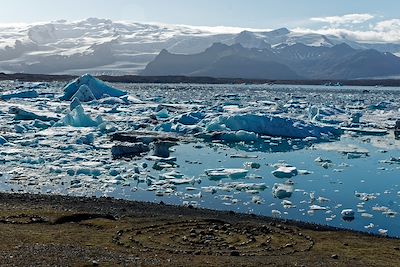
(241, 13)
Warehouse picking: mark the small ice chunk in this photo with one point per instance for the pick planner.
(317, 207)
(276, 213)
(3, 140)
(285, 172)
(383, 232)
(216, 174)
(347, 214)
(282, 190)
(252, 165)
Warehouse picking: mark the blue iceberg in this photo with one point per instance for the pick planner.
(272, 126)
(86, 87)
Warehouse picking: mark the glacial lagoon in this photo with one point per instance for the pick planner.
(211, 165)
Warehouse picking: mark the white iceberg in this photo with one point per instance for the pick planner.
(216, 174)
(87, 86)
(78, 118)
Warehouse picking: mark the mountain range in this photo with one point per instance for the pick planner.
(287, 62)
(101, 46)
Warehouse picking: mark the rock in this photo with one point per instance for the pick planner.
(129, 149)
(235, 253)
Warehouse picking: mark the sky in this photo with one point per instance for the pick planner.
(363, 18)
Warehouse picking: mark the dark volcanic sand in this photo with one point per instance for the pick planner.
(69, 231)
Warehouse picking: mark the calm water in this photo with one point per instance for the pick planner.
(338, 184)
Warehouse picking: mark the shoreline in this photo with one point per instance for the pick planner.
(72, 201)
(105, 231)
(25, 77)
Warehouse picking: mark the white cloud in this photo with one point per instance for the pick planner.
(346, 19)
(388, 25)
(373, 36)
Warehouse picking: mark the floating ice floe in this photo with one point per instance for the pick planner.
(366, 131)
(26, 114)
(272, 126)
(19, 94)
(282, 190)
(285, 172)
(87, 88)
(347, 214)
(217, 174)
(317, 207)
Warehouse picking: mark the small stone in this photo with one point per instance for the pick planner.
(235, 253)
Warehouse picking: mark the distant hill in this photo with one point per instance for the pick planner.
(284, 62)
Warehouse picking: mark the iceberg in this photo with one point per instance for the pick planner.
(84, 94)
(23, 114)
(20, 94)
(78, 118)
(86, 87)
(272, 126)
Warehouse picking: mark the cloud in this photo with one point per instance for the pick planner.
(346, 19)
(388, 25)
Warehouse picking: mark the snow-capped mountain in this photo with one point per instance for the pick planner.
(102, 46)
